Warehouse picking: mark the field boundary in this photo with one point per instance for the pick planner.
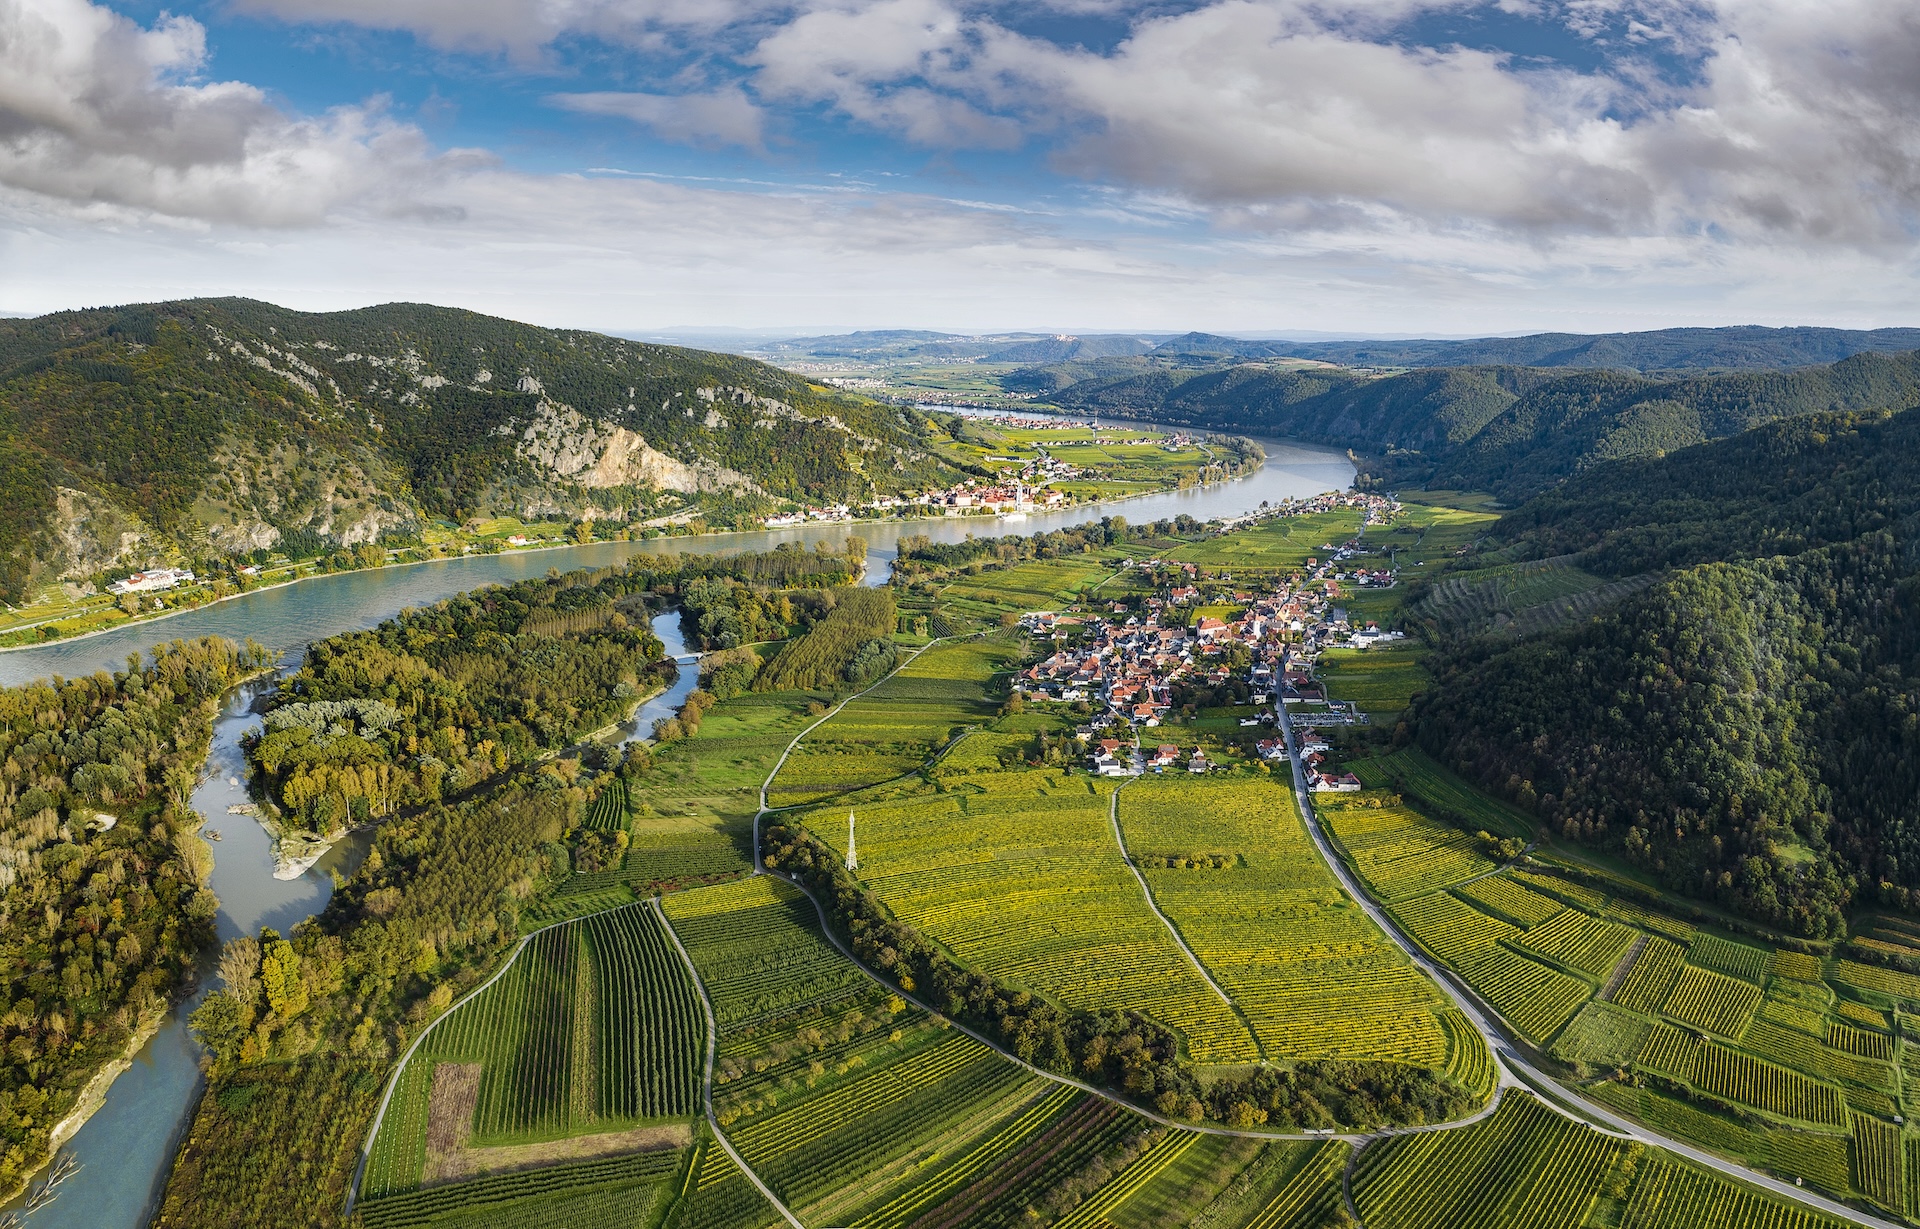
(393, 1081)
(1113, 814)
(706, 1078)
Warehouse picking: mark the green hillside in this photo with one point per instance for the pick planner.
(1512, 430)
(1745, 727)
(217, 426)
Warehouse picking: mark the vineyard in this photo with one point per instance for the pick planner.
(859, 1111)
(1312, 975)
(1669, 1195)
(1018, 874)
(1524, 1168)
(1379, 680)
(594, 1027)
(1421, 778)
(894, 728)
(1398, 852)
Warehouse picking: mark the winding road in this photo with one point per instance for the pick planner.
(1513, 1066)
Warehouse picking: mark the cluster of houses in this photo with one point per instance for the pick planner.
(1128, 661)
(151, 581)
(966, 498)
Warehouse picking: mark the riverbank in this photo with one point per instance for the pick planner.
(852, 528)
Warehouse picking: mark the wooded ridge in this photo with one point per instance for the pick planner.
(213, 427)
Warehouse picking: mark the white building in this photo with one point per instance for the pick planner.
(151, 581)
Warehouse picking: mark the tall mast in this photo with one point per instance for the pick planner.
(853, 859)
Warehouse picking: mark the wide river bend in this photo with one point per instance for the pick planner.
(126, 1147)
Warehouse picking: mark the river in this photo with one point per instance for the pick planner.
(126, 1147)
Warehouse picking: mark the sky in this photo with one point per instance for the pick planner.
(1368, 167)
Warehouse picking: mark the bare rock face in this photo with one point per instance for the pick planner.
(243, 537)
(90, 535)
(596, 455)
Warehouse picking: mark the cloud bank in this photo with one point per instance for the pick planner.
(1747, 147)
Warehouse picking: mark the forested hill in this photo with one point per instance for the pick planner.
(1748, 728)
(222, 424)
(1513, 430)
(1737, 348)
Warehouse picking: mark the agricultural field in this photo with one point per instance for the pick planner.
(1757, 1055)
(858, 1109)
(590, 1036)
(980, 599)
(1311, 974)
(1422, 780)
(1526, 1166)
(1280, 545)
(1398, 852)
(1382, 679)
(895, 728)
(1019, 875)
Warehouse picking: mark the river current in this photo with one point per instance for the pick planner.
(126, 1148)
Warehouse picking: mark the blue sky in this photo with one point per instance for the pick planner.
(1389, 166)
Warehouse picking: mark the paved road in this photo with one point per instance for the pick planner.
(1514, 1067)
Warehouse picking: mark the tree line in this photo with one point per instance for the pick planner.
(1126, 1051)
(104, 904)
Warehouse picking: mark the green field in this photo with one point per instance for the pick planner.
(593, 1028)
(897, 726)
(1282, 544)
(1382, 679)
(1232, 867)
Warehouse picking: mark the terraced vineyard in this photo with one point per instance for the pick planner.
(592, 1029)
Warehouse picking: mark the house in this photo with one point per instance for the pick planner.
(1199, 761)
(1146, 714)
(517, 539)
(784, 519)
(1167, 754)
(1271, 748)
(1327, 783)
(1209, 628)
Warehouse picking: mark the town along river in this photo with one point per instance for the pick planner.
(126, 1148)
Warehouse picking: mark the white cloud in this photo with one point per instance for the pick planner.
(719, 117)
(896, 65)
(103, 115)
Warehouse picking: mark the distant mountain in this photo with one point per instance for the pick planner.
(921, 346)
(1512, 430)
(223, 425)
(1738, 348)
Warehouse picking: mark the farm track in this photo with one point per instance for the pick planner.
(706, 1080)
(1514, 1069)
(1113, 814)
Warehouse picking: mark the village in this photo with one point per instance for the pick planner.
(1129, 660)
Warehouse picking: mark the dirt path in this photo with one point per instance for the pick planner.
(1113, 814)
